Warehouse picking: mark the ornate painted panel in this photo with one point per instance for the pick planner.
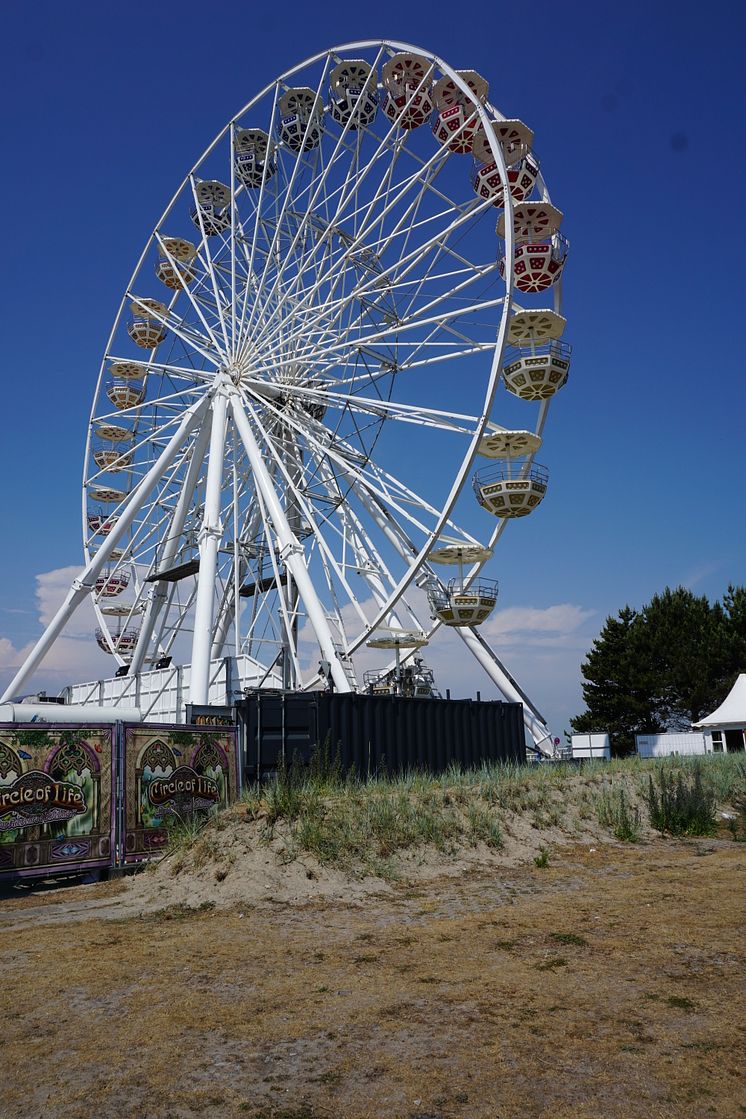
(56, 809)
(171, 775)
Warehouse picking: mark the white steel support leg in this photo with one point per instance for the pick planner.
(210, 535)
(290, 548)
(86, 581)
(173, 541)
(500, 676)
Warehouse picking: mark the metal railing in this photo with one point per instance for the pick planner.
(511, 470)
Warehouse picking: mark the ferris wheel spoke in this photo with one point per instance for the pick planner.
(377, 483)
(168, 369)
(315, 196)
(288, 193)
(300, 499)
(406, 264)
(330, 274)
(243, 491)
(327, 330)
(188, 335)
(403, 226)
(388, 409)
(290, 643)
(394, 330)
(367, 561)
(207, 261)
(237, 341)
(314, 199)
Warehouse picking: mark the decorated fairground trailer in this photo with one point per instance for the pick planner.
(96, 796)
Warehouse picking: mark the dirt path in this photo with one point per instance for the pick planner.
(608, 984)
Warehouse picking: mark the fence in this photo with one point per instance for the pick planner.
(91, 797)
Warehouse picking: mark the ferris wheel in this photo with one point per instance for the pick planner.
(303, 375)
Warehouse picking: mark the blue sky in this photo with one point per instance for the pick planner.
(637, 111)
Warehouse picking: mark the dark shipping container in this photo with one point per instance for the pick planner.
(378, 734)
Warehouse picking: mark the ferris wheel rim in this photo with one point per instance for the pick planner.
(418, 563)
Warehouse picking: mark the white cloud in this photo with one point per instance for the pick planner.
(74, 656)
(520, 624)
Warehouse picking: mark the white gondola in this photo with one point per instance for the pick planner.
(393, 637)
(456, 119)
(407, 90)
(110, 458)
(487, 182)
(512, 489)
(121, 609)
(538, 265)
(513, 136)
(353, 97)
(114, 433)
(123, 643)
(457, 605)
(460, 602)
(301, 119)
(529, 327)
(146, 327)
(128, 371)
(99, 524)
(125, 394)
(502, 442)
(174, 268)
(532, 221)
(536, 372)
(106, 495)
(255, 158)
(212, 211)
(109, 583)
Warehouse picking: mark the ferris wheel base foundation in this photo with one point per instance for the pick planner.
(161, 694)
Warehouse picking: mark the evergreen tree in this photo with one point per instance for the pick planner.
(618, 689)
(734, 611)
(686, 646)
(664, 667)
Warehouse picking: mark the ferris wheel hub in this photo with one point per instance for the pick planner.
(235, 373)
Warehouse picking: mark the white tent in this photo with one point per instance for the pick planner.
(731, 714)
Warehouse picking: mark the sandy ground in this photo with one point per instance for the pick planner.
(607, 984)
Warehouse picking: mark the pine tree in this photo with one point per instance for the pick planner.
(619, 689)
(664, 667)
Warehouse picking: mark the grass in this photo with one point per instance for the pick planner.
(615, 813)
(367, 827)
(681, 804)
(569, 938)
(237, 1010)
(542, 859)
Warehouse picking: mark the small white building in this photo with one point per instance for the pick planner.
(591, 746)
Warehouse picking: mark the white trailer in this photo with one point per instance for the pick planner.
(664, 745)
